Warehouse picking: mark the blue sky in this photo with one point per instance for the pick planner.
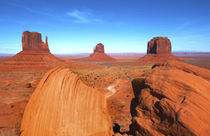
(76, 26)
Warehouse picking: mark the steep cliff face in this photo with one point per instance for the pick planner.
(158, 51)
(35, 55)
(159, 45)
(99, 48)
(62, 105)
(171, 99)
(33, 41)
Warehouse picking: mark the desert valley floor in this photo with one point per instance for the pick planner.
(112, 78)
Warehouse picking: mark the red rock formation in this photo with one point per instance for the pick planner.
(201, 72)
(33, 41)
(98, 55)
(31, 61)
(172, 99)
(99, 48)
(151, 59)
(119, 98)
(62, 105)
(159, 45)
(34, 57)
(158, 51)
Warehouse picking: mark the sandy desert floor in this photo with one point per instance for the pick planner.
(112, 78)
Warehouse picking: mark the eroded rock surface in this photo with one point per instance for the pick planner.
(99, 48)
(35, 55)
(98, 55)
(158, 51)
(159, 45)
(33, 41)
(62, 105)
(171, 99)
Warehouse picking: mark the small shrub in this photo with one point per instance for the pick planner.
(11, 105)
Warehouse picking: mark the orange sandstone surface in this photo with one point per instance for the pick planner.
(171, 99)
(31, 61)
(63, 105)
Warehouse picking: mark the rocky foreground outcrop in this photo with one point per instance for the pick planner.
(98, 55)
(62, 105)
(158, 51)
(172, 99)
(35, 55)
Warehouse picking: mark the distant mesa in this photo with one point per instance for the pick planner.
(159, 45)
(35, 55)
(33, 41)
(158, 51)
(99, 48)
(98, 55)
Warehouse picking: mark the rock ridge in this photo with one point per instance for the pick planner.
(63, 105)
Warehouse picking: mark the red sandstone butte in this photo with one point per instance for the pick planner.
(158, 51)
(98, 55)
(99, 48)
(159, 45)
(34, 56)
(33, 41)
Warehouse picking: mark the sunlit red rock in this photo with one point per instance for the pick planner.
(171, 99)
(159, 45)
(35, 55)
(158, 51)
(33, 41)
(10, 116)
(99, 48)
(62, 105)
(98, 55)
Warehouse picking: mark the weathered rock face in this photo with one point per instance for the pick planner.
(32, 61)
(33, 41)
(62, 105)
(158, 51)
(159, 45)
(171, 99)
(151, 59)
(98, 55)
(34, 57)
(99, 48)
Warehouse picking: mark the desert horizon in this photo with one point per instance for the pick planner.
(104, 68)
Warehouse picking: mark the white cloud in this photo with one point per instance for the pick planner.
(79, 16)
(83, 17)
